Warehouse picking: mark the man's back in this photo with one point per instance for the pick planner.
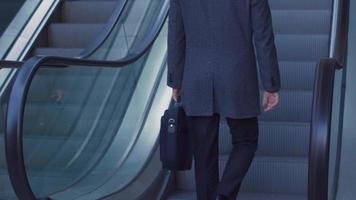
(211, 55)
(222, 25)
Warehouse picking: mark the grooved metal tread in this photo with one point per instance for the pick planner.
(52, 51)
(268, 174)
(300, 4)
(87, 11)
(276, 138)
(67, 35)
(190, 195)
(301, 21)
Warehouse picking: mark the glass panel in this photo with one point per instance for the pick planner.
(69, 125)
(76, 133)
(133, 26)
(336, 134)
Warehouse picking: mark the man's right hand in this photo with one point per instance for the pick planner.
(270, 100)
(176, 94)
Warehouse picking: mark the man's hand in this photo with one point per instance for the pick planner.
(176, 94)
(270, 100)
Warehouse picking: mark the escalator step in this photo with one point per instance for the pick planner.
(301, 21)
(301, 47)
(275, 138)
(281, 175)
(296, 75)
(69, 52)
(63, 35)
(300, 4)
(88, 12)
(189, 195)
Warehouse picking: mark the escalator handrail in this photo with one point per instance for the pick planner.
(20, 88)
(341, 33)
(322, 104)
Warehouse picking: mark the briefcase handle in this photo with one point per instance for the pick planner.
(178, 102)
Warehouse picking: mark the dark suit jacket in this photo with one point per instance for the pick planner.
(212, 51)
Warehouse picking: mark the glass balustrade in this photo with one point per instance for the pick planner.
(82, 123)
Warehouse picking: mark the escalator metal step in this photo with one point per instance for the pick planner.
(68, 52)
(65, 35)
(275, 138)
(301, 47)
(300, 4)
(297, 75)
(87, 11)
(268, 174)
(189, 195)
(301, 21)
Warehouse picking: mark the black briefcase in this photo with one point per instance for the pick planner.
(175, 142)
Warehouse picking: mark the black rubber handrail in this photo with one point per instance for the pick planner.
(322, 104)
(20, 88)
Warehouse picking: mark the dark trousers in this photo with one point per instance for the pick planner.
(205, 130)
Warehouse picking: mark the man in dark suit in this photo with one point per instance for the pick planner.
(212, 68)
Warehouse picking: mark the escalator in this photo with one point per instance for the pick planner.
(280, 168)
(89, 125)
(72, 26)
(299, 145)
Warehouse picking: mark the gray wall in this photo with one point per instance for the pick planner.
(347, 181)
